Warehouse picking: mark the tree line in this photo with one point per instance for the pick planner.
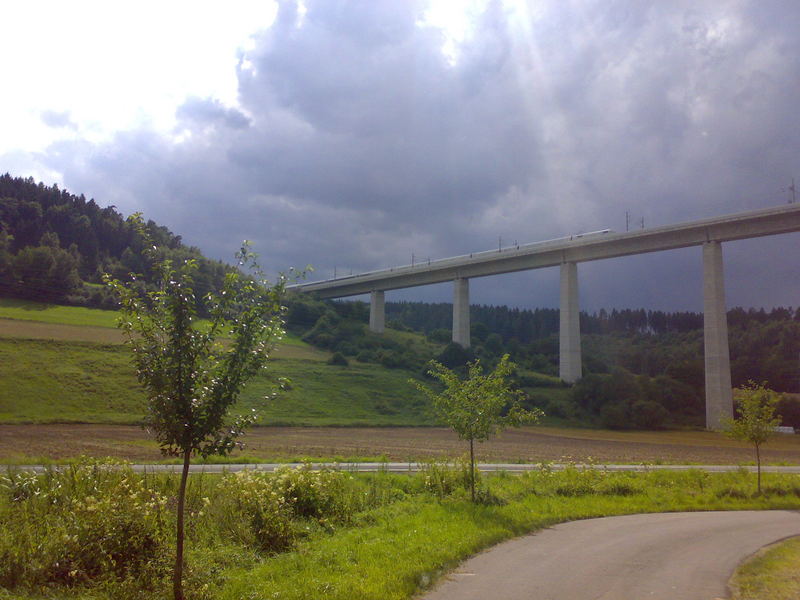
(526, 325)
(56, 246)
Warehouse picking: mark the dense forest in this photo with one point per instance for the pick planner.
(526, 325)
(55, 246)
(765, 345)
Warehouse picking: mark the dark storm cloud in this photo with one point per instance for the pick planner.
(357, 142)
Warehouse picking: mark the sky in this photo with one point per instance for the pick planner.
(351, 136)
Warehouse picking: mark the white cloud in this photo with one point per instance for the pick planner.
(116, 65)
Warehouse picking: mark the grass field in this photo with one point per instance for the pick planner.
(61, 364)
(66, 364)
(772, 574)
(46, 381)
(27, 310)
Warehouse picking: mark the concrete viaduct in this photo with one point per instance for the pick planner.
(566, 253)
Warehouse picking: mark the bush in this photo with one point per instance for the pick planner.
(392, 359)
(338, 359)
(556, 407)
(366, 356)
(440, 336)
(646, 414)
(270, 511)
(532, 379)
(789, 410)
(314, 494)
(442, 478)
(256, 515)
(454, 355)
(614, 415)
(346, 348)
(84, 525)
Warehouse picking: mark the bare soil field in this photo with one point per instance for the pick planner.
(36, 330)
(35, 443)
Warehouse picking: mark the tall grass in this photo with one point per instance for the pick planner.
(90, 531)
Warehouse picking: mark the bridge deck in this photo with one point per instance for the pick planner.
(579, 248)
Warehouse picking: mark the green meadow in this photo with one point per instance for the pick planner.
(51, 380)
(26, 310)
(64, 364)
(46, 381)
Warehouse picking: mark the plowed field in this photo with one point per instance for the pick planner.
(23, 443)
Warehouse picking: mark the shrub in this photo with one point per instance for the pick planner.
(270, 511)
(314, 494)
(647, 414)
(618, 486)
(532, 379)
(366, 356)
(614, 415)
(87, 524)
(256, 515)
(442, 478)
(440, 336)
(338, 359)
(454, 355)
(346, 348)
(556, 407)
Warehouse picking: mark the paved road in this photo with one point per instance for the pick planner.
(665, 556)
(405, 467)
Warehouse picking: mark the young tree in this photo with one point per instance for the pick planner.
(190, 377)
(479, 405)
(756, 420)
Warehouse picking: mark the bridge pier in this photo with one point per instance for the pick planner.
(377, 311)
(569, 337)
(461, 312)
(719, 396)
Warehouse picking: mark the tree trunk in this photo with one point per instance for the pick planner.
(177, 574)
(758, 467)
(472, 468)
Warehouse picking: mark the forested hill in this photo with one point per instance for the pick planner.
(764, 345)
(55, 246)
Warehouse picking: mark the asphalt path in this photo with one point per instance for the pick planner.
(414, 467)
(663, 556)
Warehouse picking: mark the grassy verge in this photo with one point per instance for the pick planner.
(773, 574)
(410, 544)
(303, 535)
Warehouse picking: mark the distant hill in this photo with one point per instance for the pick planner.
(55, 246)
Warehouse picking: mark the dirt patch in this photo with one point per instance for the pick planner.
(403, 443)
(34, 330)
